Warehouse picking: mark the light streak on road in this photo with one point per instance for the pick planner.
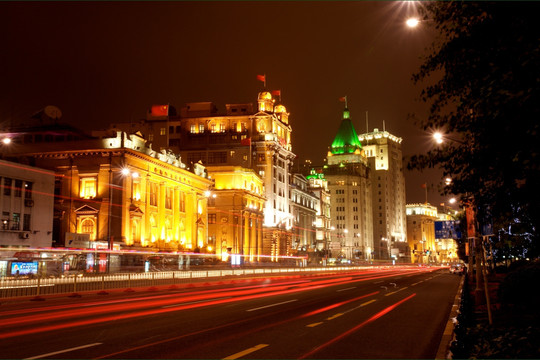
(356, 328)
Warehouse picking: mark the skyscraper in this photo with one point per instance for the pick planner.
(383, 151)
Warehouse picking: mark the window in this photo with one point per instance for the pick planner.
(193, 129)
(171, 129)
(163, 131)
(7, 186)
(26, 222)
(88, 226)
(88, 187)
(222, 127)
(178, 129)
(182, 202)
(16, 221)
(153, 194)
(18, 188)
(211, 218)
(168, 198)
(213, 128)
(201, 128)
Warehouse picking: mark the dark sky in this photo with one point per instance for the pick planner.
(107, 62)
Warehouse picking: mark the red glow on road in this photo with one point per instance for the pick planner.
(333, 306)
(357, 327)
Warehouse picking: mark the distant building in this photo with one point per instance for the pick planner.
(323, 225)
(350, 187)
(26, 205)
(384, 154)
(304, 205)
(235, 214)
(421, 233)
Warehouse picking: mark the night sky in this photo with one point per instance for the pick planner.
(103, 63)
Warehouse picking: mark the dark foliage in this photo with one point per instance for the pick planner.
(483, 88)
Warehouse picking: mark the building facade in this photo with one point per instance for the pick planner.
(26, 205)
(350, 187)
(318, 185)
(421, 233)
(253, 137)
(115, 192)
(304, 205)
(235, 215)
(385, 158)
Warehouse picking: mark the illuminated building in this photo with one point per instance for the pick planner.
(349, 185)
(421, 233)
(26, 205)
(257, 138)
(304, 205)
(319, 186)
(447, 248)
(235, 215)
(114, 190)
(383, 151)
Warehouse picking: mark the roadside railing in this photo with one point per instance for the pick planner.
(12, 287)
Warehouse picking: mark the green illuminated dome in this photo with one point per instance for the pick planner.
(346, 140)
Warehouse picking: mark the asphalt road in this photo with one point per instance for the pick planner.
(387, 313)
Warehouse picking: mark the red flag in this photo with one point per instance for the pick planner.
(160, 110)
(343, 99)
(261, 78)
(246, 141)
(276, 92)
(424, 185)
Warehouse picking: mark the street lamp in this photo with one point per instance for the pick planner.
(412, 22)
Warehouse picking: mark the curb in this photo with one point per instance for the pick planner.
(448, 334)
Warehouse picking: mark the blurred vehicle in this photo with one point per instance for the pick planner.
(457, 269)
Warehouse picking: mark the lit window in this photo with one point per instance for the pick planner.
(88, 187)
(193, 129)
(163, 131)
(88, 226)
(201, 128)
(222, 127)
(213, 128)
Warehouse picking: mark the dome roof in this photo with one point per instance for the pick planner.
(265, 95)
(280, 108)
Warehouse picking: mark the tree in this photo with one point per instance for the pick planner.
(483, 77)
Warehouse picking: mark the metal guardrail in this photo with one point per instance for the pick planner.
(13, 287)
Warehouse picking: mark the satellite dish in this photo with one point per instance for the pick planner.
(53, 112)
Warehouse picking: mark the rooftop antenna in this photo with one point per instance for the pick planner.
(367, 127)
(383, 126)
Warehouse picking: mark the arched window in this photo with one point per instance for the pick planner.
(88, 226)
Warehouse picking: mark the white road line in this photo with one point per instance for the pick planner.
(194, 302)
(354, 287)
(62, 351)
(267, 306)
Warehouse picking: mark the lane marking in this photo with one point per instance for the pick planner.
(245, 352)
(354, 287)
(334, 316)
(267, 306)
(393, 292)
(314, 324)
(62, 351)
(417, 283)
(194, 302)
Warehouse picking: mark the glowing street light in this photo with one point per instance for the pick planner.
(412, 22)
(438, 137)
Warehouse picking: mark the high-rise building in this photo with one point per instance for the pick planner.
(350, 187)
(383, 151)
